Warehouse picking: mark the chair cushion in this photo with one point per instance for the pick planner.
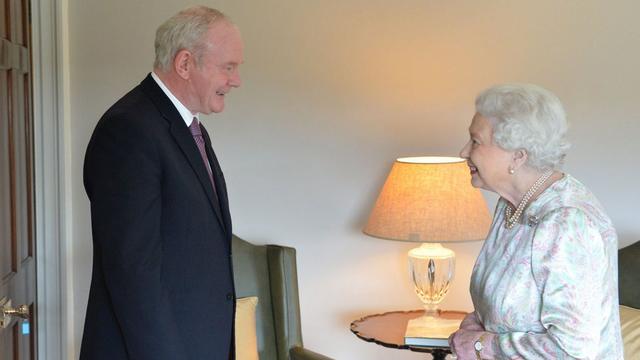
(245, 327)
(630, 324)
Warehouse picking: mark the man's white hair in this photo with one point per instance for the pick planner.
(185, 31)
(528, 117)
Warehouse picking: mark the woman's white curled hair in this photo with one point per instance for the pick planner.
(528, 117)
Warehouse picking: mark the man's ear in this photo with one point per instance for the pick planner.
(520, 157)
(182, 63)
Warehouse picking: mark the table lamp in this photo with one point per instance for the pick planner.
(430, 200)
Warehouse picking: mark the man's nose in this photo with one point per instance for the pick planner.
(235, 79)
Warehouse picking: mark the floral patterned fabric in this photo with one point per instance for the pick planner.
(549, 285)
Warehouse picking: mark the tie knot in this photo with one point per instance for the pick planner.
(195, 128)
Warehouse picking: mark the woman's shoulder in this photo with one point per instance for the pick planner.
(569, 194)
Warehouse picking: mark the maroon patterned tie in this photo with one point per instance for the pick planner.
(196, 132)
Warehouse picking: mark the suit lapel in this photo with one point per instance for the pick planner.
(184, 140)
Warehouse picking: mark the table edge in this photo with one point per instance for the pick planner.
(415, 348)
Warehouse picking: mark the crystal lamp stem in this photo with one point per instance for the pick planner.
(432, 268)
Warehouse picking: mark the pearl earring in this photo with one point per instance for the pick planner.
(511, 171)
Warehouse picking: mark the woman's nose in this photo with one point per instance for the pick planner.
(464, 152)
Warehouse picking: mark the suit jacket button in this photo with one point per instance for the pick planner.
(229, 296)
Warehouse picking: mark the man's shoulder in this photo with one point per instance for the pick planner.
(136, 101)
(135, 108)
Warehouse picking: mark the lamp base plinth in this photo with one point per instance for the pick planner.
(431, 327)
(435, 322)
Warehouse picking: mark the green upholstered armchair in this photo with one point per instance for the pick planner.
(269, 272)
(629, 275)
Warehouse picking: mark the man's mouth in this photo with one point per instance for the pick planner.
(472, 169)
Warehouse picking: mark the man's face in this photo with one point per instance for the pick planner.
(218, 70)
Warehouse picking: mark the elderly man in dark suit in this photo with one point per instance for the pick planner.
(162, 284)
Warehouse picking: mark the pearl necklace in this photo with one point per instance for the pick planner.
(509, 219)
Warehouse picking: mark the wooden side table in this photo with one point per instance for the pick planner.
(388, 330)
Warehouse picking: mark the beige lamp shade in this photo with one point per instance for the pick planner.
(429, 199)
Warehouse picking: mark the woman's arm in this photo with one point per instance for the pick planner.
(471, 322)
(463, 342)
(569, 264)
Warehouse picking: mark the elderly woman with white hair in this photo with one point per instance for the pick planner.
(544, 285)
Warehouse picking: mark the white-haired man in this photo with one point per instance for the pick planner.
(162, 284)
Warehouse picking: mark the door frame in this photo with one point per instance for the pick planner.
(49, 19)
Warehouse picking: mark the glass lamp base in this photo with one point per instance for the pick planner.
(431, 267)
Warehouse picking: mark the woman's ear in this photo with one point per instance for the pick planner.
(519, 158)
(182, 63)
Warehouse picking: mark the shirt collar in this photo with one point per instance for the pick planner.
(187, 116)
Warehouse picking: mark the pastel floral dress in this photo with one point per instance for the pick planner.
(549, 285)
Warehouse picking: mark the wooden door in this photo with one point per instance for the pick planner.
(17, 247)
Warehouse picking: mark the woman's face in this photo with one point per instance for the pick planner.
(489, 163)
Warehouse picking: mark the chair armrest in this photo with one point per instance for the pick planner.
(300, 353)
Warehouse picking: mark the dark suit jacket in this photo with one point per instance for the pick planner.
(162, 284)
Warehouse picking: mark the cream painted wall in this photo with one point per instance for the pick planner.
(334, 91)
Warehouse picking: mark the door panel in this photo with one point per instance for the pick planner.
(17, 257)
(4, 17)
(5, 193)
